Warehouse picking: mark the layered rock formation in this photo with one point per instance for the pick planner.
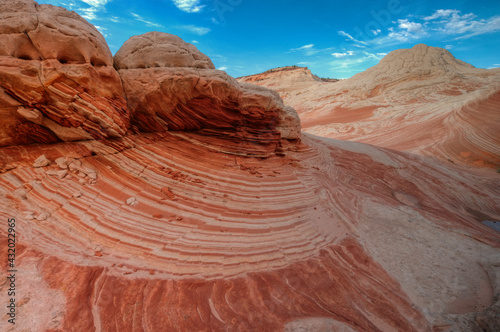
(170, 85)
(419, 100)
(57, 81)
(223, 220)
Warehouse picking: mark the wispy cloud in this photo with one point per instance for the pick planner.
(442, 24)
(143, 20)
(359, 43)
(305, 47)
(453, 22)
(102, 30)
(89, 13)
(342, 55)
(196, 30)
(223, 68)
(188, 6)
(309, 50)
(96, 3)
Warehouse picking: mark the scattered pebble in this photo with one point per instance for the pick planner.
(77, 194)
(42, 217)
(63, 162)
(75, 165)
(131, 201)
(41, 161)
(62, 173)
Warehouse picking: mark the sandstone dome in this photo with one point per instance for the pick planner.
(159, 49)
(171, 86)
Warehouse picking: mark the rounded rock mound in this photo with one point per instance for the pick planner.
(171, 86)
(158, 49)
(57, 81)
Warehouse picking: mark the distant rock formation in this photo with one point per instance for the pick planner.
(421, 100)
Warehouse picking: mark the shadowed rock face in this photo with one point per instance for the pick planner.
(186, 227)
(421, 100)
(170, 85)
(57, 80)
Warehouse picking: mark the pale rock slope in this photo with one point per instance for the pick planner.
(421, 100)
(213, 213)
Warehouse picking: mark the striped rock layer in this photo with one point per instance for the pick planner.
(201, 207)
(421, 100)
(156, 232)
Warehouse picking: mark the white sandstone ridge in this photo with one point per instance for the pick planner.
(286, 79)
(421, 100)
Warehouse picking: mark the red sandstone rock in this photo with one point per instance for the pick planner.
(57, 80)
(171, 231)
(174, 87)
(335, 233)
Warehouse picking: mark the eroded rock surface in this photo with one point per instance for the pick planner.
(57, 81)
(170, 85)
(189, 228)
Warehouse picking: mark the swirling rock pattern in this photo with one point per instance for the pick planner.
(223, 217)
(420, 100)
(155, 232)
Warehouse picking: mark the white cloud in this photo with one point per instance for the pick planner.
(342, 55)
(406, 31)
(194, 42)
(214, 20)
(448, 47)
(452, 22)
(308, 49)
(96, 3)
(441, 13)
(148, 23)
(411, 27)
(101, 30)
(88, 13)
(376, 32)
(222, 68)
(196, 30)
(381, 54)
(351, 38)
(188, 6)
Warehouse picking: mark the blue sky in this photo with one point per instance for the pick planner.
(334, 39)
